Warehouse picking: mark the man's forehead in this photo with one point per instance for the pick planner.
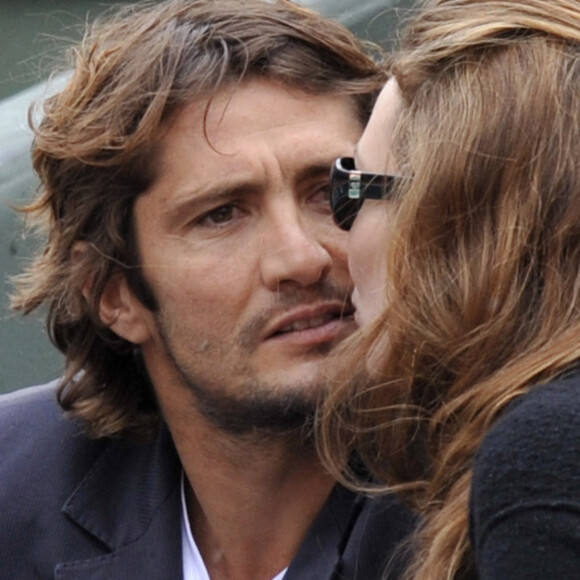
(213, 117)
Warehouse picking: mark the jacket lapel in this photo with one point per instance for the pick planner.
(320, 555)
(130, 502)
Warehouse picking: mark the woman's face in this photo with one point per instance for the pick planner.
(369, 235)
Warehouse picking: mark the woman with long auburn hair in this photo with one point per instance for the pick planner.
(462, 389)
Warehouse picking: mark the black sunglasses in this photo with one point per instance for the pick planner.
(350, 187)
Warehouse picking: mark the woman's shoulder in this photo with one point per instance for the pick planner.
(544, 419)
(531, 456)
(525, 493)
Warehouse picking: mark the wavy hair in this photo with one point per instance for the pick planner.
(94, 152)
(484, 267)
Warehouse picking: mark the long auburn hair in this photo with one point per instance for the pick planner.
(484, 260)
(94, 152)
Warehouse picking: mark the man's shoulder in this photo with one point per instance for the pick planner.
(39, 396)
(32, 413)
(39, 444)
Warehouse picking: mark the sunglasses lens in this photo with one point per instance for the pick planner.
(344, 209)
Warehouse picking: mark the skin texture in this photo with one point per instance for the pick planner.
(238, 245)
(369, 235)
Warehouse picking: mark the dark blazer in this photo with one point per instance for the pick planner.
(74, 508)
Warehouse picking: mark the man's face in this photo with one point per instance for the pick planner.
(238, 246)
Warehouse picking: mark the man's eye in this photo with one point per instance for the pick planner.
(219, 216)
(324, 192)
(321, 195)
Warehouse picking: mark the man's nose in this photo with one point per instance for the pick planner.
(293, 253)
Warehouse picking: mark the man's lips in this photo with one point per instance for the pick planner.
(326, 317)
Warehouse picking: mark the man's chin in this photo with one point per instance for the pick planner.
(272, 416)
(266, 408)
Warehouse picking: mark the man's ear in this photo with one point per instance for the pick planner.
(119, 308)
(122, 311)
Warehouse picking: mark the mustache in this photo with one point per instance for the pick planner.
(321, 291)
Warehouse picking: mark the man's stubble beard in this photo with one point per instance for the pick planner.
(258, 409)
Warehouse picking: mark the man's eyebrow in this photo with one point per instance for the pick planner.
(313, 170)
(188, 200)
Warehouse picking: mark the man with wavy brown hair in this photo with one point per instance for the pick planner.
(195, 282)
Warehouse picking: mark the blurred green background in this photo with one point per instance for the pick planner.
(32, 34)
